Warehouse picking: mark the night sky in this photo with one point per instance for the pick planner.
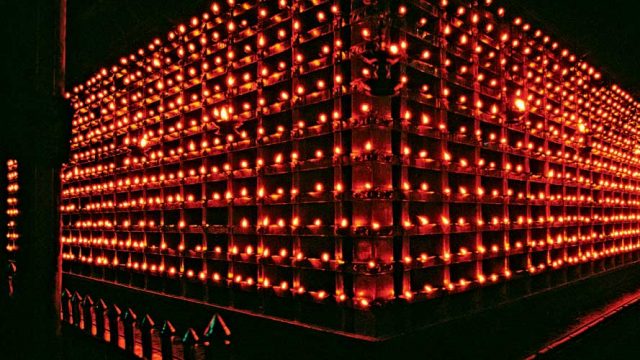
(608, 32)
(99, 32)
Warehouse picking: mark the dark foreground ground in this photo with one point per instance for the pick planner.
(616, 338)
(512, 331)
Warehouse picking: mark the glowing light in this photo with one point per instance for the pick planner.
(233, 141)
(520, 104)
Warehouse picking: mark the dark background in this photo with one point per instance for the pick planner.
(99, 32)
(35, 121)
(608, 32)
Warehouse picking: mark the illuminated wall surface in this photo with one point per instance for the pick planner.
(348, 155)
(12, 213)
